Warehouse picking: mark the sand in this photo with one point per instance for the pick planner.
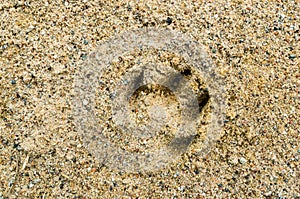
(254, 46)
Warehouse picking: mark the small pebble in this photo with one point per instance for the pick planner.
(292, 56)
(169, 21)
(85, 102)
(176, 174)
(35, 181)
(30, 185)
(242, 160)
(86, 42)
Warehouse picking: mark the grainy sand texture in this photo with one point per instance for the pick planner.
(254, 46)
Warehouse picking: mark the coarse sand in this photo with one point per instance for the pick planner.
(255, 47)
